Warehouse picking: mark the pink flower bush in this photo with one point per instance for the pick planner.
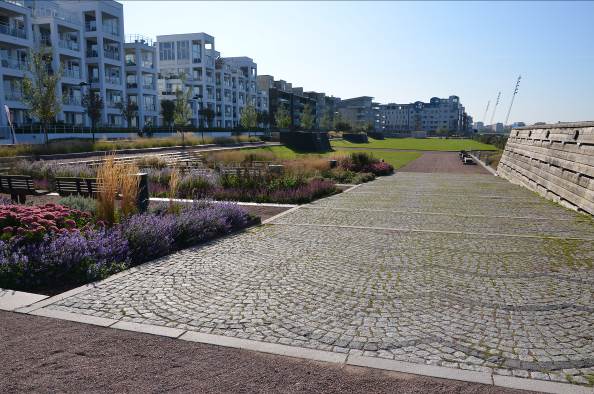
(33, 222)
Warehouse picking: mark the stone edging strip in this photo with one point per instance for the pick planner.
(254, 204)
(12, 299)
(416, 230)
(320, 355)
(333, 208)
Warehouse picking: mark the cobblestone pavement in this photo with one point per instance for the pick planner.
(462, 271)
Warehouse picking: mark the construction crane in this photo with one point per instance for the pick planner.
(495, 107)
(512, 99)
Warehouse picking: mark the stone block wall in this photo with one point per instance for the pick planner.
(556, 161)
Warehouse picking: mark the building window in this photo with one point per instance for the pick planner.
(196, 52)
(183, 50)
(166, 51)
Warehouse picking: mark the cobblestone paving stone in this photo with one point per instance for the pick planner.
(509, 304)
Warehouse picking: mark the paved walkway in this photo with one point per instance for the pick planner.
(462, 271)
(442, 162)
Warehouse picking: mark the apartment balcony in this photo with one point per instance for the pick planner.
(61, 14)
(92, 53)
(91, 26)
(131, 85)
(13, 31)
(111, 30)
(67, 100)
(147, 64)
(113, 104)
(93, 80)
(114, 55)
(20, 3)
(148, 86)
(13, 96)
(69, 44)
(15, 63)
(113, 80)
(130, 63)
(150, 108)
(74, 74)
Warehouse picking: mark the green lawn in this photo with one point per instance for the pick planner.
(418, 144)
(397, 159)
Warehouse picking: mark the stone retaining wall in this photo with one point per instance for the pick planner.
(556, 161)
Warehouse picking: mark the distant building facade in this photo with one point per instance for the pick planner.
(282, 94)
(360, 112)
(141, 80)
(438, 114)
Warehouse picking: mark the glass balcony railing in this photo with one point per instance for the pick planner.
(148, 86)
(113, 80)
(91, 26)
(150, 107)
(113, 103)
(13, 31)
(13, 95)
(110, 29)
(92, 53)
(69, 44)
(131, 85)
(115, 55)
(68, 100)
(15, 63)
(75, 74)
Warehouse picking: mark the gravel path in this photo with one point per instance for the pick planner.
(443, 162)
(46, 355)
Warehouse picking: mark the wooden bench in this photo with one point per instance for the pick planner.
(19, 187)
(68, 186)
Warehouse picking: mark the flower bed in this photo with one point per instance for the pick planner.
(52, 248)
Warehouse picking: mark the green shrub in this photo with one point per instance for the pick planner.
(80, 203)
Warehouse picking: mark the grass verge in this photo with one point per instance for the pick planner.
(435, 144)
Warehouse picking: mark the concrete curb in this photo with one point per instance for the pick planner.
(264, 347)
(251, 204)
(76, 317)
(420, 369)
(12, 299)
(353, 359)
(486, 167)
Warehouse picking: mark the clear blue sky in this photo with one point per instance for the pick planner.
(403, 52)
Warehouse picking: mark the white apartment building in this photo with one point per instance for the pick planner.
(16, 39)
(438, 114)
(86, 39)
(224, 85)
(141, 79)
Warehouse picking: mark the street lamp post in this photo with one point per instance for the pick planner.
(199, 98)
(82, 86)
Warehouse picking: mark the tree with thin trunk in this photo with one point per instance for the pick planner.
(40, 92)
(249, 117)
(208, 114)
(167, 110)
(282, 118)
(182, 111)
(307, 120)
(263, 118)
(326, 121)
(93, 104)
(129, 110)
